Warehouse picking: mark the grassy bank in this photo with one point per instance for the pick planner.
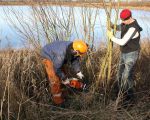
(25, 91)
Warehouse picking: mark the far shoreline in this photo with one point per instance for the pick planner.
(131, 5)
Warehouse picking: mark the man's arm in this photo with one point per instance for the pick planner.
(131, 33)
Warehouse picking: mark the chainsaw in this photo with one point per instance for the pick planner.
(74, 83)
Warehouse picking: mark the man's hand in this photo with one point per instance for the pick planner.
(80, 75)
(66, 81)
(110, 34)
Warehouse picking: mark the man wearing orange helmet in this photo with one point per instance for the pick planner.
(55, 55)
(129, 47)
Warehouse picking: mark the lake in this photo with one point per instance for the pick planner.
(85, 23)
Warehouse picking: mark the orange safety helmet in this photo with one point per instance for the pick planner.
(80, 46)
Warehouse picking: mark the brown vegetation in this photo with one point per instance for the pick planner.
(23, 83)
(25, 94)
(99, 4)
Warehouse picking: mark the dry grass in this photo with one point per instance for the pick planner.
(25, 95)
(24, 88)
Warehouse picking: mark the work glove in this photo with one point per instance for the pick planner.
(111, 25)
(110, 34)
(80, 75)
(66, 81)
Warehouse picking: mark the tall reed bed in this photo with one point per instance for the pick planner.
(25, 91)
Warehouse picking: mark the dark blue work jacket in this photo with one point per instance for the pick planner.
(59, 53)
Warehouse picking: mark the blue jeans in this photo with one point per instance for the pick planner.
(126, 70)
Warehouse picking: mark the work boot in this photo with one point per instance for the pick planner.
(128, 100)
(57, 107)
(115, 91)
(64, 105)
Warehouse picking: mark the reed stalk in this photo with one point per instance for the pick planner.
(104, 76)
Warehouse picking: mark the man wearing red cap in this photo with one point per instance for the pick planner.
(129, 47)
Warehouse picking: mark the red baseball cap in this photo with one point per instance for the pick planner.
(125, 14)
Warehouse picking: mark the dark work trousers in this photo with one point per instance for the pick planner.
(126, 71)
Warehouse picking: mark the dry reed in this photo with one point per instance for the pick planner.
(24, 88)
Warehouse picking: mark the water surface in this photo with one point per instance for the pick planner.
(9, 36)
